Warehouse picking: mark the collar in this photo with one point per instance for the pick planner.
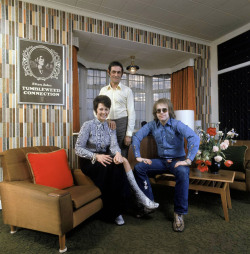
(169, 122)
(99, 122)
(118, 87)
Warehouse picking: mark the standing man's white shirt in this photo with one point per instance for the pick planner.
(122, 104)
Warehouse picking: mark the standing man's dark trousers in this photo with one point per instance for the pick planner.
(121, 129)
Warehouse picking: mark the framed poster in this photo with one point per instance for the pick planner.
(40, 71)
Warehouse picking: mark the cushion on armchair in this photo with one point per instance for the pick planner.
(237, 155)
(50, 169)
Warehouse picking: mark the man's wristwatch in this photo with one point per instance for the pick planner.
(188, 162)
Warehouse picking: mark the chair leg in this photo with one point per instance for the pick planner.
(13, 229)
(63, 248)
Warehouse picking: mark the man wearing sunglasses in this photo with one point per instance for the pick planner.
(169, 135)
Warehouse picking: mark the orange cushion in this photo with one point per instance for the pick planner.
(51, 169)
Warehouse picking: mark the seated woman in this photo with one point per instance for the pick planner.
(101, 160)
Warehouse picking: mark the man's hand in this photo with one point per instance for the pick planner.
(183, 163)
(112, 124)
(144, 160)
(127, 140)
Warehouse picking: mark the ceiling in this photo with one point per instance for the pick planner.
(204, 19)
(195, 20)
(97, 51)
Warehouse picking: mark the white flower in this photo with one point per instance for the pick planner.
(220, 133)
(224, 145)
(199, 152)
(226, 141)
(230, 134)
(218, 158)
(215, 148)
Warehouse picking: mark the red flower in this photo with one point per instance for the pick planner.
(228, 163)
(209, 163)
(203, 165)
(211, 131)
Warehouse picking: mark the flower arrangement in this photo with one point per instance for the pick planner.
(211, 147)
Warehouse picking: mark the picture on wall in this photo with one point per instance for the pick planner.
(41, 77)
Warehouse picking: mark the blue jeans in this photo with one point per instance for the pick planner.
(143, 171)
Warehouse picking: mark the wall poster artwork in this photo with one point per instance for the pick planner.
(41, 73)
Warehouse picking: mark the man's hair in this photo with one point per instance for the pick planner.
(101, 99)
(170, 107)
(115, 63)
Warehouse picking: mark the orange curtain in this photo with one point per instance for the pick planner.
(183, 90)
(76, 119)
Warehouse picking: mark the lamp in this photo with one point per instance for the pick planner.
(185, 116)
(132, 68)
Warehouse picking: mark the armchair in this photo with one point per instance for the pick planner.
(43, 208)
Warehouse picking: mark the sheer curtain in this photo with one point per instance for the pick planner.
(76, 120)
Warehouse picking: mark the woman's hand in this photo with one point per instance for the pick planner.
(118, 158)
(144, 160)
(104, 159)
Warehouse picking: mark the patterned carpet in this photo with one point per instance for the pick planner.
(206, 230)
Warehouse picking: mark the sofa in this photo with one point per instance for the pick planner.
(242, 174)
(43, 208)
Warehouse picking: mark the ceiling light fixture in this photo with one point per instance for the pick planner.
(132, 68)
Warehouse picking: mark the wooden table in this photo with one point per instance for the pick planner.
(203, 181)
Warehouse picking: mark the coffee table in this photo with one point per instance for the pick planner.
(204, 181)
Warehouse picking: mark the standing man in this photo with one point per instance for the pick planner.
(122, 112)
(169, 135)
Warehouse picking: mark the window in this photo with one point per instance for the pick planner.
(145, 89)
(137, 84)
(96, 79)
(161, 87)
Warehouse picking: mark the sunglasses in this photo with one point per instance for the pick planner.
(163, 110)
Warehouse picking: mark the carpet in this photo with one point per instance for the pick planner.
(206, 231)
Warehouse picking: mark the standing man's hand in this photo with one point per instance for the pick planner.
(112, 124)
(127, 140)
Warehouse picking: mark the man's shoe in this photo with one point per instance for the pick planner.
(178, 224)
(119, 220)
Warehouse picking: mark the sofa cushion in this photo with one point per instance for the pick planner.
(237, 155)
(84, 194)
(50, 169)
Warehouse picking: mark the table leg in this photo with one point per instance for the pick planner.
(229, 203)
(224, 203)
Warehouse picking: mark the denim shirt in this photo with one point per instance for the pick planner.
(96, 137)
(169, 139)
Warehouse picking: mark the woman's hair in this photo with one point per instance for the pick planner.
(115, 63)
(101, 99)
(170, 107)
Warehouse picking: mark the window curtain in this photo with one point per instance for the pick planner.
(183, 90)
(76, 119)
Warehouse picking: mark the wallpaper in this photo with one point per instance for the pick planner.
(32, 124)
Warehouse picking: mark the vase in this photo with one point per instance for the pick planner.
(215, 167)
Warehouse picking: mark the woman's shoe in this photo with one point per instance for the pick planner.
(147, 203)
(119, 220)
